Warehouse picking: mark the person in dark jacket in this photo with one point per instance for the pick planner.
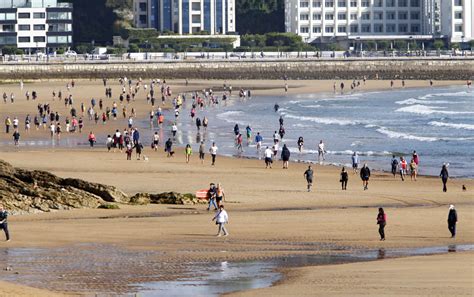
(169, 148)
(452, 220)
(344, 178)
(382, 221)
(3, 222)
(285, 156)
(365, 175)
(444, 176)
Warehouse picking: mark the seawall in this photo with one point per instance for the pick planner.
(394, 68)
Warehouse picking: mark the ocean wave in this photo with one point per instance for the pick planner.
(452, 125)
(311, 106)
(230, 117)
(455, 94)
(411, 101)
(325, 121)
(427, 110)
(394, 134)
(366, 153)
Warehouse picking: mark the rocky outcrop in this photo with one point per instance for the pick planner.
(40, 191)
(165, 198)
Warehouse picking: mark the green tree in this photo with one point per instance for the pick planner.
(438, 44)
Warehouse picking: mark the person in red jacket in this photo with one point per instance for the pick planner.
(381, 221)
(91, 139)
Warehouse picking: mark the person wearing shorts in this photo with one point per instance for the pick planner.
(308, 174)
(268, 158)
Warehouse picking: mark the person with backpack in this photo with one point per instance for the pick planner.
(382, 222)
(365, 175)
(394, 164)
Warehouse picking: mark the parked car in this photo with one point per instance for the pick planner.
(70, 54)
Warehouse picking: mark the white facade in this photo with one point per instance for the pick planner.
(330, 20)
(457, 20)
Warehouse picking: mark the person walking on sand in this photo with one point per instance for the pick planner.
(308, 175)
(92, 139)
(220, 194)
(285, 156)
(394, 164)
(221, 219)
(169, 148)
(444, 176)
(16, 138)
(452, 220)
(382, 222)
(413, 170)
(300, 144)
(365, 176)
(258, 141)
(3, 222)
(344, 178)
(213, 151)
(403, 168)
(268, 157)
(211, 193)
(355, 162)
(188, 151)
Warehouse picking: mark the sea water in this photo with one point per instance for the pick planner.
(436, 122)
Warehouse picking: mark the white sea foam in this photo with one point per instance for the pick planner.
(325, 121)
(394, 134)
(452, 125)
(411, 101)
(426, 110)
(232, 117)
(311, 106)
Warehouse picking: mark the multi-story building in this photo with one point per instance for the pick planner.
(335, 20)
(35, 24)
(186, 16)
(457, 20)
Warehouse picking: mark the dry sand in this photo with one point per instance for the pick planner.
(271, 214)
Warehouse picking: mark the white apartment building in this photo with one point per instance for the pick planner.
(457, 20)
(338, 20)
(186, 16)
(35, 24)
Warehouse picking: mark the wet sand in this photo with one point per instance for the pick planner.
(271, 214)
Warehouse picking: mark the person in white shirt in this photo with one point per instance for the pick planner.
(321, 151)
(268, 157)
(221, 219)
(213, 151)
(174, 130)
(52, 129)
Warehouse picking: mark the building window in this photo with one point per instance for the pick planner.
(378, 28)
(142, 7)
(458, 15)
(196, 6)
(378, 15)
(354, 29)
(304, 30)
(391, 28)
(365, 15)
(24, 27)
(6, 40)
(23, 39)
(402, 3)
(378, 3)
(365, 3)
(403, 28)
(365, 29)
(316, 3)
(415, 3)
(391, 15)
(39, 27)
(458, 2)
(8, 28)
(39, 15)
(341, 16)
(415, 15)
(304, 4)
(329, 30)
(316, 16)
(458, 28)
(341, 29)
(354, 16)
(143, 19)
(39, 39)
(329, 4)
(316, 29)
(390, 3)
(59, 16)
(353, 3)
(59, 28)
(329, 16)
(415, 28)
(304, 17)
(24, 15)
(196, 19)
(402, 15)
(341, 3)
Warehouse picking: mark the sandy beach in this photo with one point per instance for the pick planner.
(271, 213)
